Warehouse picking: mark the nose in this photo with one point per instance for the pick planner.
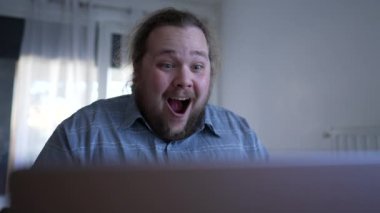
(183, 78)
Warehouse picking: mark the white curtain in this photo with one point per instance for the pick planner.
(55, 75)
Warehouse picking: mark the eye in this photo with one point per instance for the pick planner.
(166, 66)
(198, 67)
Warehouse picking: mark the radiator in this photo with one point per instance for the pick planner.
(355, 139)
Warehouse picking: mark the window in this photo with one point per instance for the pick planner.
(114, 70)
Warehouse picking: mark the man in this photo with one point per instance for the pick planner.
(167, 118)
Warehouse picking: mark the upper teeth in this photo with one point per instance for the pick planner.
(180, 99)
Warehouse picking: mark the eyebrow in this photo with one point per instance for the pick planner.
(192, 53)
(199, 53)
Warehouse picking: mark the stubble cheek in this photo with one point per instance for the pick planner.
(204, 88)
(158, 86)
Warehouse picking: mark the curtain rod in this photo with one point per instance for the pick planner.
(86, 3)
(128, 10)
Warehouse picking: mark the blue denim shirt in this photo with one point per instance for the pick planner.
(113, 131)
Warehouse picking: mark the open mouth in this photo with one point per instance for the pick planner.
(179, 105)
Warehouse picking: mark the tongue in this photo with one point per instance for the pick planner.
(177, 106)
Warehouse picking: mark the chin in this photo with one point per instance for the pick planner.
(177, 131)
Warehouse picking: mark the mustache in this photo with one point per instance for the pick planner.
(183, 93)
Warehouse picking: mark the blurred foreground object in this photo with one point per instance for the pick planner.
(272, 187)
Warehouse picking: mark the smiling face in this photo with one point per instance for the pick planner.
(172, 81)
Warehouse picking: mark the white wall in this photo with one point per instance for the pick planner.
(295, 68)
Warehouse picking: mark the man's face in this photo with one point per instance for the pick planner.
(172, 82)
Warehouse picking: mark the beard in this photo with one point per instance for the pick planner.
(162, 129)
(161, 126)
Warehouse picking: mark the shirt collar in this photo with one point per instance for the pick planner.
(209, 123)
(132, 113)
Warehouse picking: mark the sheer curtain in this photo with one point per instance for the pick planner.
(55, 75)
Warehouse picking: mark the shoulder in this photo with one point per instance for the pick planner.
(233, 128)
(111, 104)
(100, 112)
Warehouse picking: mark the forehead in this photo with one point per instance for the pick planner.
(177, 39)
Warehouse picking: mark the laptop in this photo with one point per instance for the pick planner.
(260, 188)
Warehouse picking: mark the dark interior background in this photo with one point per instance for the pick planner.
(10, 43)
